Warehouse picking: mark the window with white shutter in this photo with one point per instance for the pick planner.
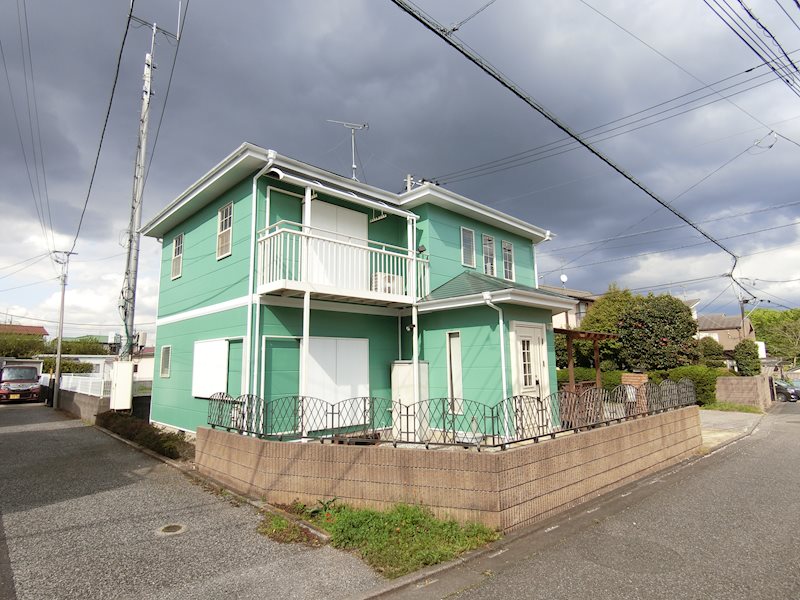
(177, 256)
(224, 230)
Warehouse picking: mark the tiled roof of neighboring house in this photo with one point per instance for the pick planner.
(37, 330)
(561, 291)
(469, 283)
(147, 351)
(692, 302)
(712, 322)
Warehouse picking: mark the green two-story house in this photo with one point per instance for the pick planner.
(281, 279)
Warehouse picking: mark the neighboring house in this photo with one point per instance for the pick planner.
(572, 318)
(282, 279)
(692, 304)
(727, 330)
(101, 363)
(24, 330)
(144, 363)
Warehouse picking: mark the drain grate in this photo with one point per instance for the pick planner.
(172, 529)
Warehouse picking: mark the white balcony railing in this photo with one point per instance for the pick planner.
(293, 256)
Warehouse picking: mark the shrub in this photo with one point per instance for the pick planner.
(67, 366)
(712, 354)
(166, 443)
(704, 379)
(746, 356)
(610, 379)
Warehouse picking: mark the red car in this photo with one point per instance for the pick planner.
(19, 383)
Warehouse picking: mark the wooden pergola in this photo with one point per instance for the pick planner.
(595, 337)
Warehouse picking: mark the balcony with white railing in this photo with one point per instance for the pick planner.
(294, 258)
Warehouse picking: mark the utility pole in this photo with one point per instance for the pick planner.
(62, 258)
(128, 295)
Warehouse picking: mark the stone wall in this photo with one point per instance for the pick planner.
(753, 391)
(82, 406)
(503, 490)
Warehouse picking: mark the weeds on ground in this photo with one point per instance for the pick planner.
(167, 443)
(730, 407)
(281, 529)
(394, 542)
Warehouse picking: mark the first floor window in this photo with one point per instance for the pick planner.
(488, 255)
(467, 247)
(177, 256)
(508, 260)
(166, 360)
(224, 229)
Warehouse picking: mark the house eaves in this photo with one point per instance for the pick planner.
(429, 193)
(245, 161)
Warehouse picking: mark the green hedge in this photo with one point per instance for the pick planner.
(610, 379)
(704, 379)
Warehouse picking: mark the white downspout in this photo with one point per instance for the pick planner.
(306, 350)
(247, 359)
(411, 234)
(487, 298)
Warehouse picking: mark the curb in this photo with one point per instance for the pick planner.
(191, 472)
(733, 440)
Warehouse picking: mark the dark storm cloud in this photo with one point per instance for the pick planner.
(272, 73)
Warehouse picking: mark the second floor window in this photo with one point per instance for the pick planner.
(225, 219)
(467, 247)
(166, 360)
(488, 255)
(177, 256)
(508, 260)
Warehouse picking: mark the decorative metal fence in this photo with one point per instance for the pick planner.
(443, 421)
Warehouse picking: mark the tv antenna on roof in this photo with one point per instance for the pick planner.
(352, 127)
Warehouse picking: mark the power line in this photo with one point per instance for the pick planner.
(23, 261)
(717, 297)
(79, 325)
(38, 260)
(490, 70)
(105, 125)
(28, 285)
(674, 283)
(458, 25)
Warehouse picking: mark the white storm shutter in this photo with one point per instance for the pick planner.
(209, 368)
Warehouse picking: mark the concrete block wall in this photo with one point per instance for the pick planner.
(82, 406)
(753, 391)
(502, 490)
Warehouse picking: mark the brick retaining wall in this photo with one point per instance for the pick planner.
(503, 490)
(753, 391)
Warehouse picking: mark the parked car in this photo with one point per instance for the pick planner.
(19, 383)
(786, 391)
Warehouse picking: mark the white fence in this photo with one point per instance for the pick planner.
(93, 384)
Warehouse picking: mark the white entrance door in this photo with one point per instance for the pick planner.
(338, 369)
(531, 379)
(338, 254)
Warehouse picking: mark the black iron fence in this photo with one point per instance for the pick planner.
(443, 421)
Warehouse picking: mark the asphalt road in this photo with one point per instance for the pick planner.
(725, 526)
(80, 514)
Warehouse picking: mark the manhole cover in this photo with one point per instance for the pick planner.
(173, 529)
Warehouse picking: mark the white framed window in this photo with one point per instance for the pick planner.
(455, 388)
(166, 361)
(224, 229)
(467, 247)
(508, 260)
(177, 256)
(488, 255)
(525, 359)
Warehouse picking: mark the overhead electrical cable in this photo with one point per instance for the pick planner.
(27, 266)
(493, 72)
(105, 125)
(778, 2)
(457, 26)
(29, 284)
(766, 30)
(717, 297)
(79, 325)
(11, 266)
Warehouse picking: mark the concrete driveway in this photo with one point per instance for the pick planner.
(80, 515)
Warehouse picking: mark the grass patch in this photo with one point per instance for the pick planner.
(167, 443)
(398, 541)
(282, 530)
(730, 407)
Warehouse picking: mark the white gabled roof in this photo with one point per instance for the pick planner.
(429, 193)
(248, 158)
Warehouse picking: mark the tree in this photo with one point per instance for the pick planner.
(656, 333)
(712, 354)
(746, 356)
(21, 346)
(779, 330)
(84, 345)
(605, 316)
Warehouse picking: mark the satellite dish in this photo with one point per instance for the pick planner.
(564, 278)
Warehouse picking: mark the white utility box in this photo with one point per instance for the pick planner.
(121, 385)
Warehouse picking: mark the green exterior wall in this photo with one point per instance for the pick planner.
(379, 330)
(172, 401)
(204, 279)
(439, 230)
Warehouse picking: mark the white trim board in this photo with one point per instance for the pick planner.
(325, 305)
(203, 311)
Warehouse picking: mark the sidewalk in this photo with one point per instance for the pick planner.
(81, 514)
(720, 427)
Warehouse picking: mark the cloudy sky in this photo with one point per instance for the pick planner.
(645, 81)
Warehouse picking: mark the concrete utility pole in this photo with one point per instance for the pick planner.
(62, 258)
(128, 295)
